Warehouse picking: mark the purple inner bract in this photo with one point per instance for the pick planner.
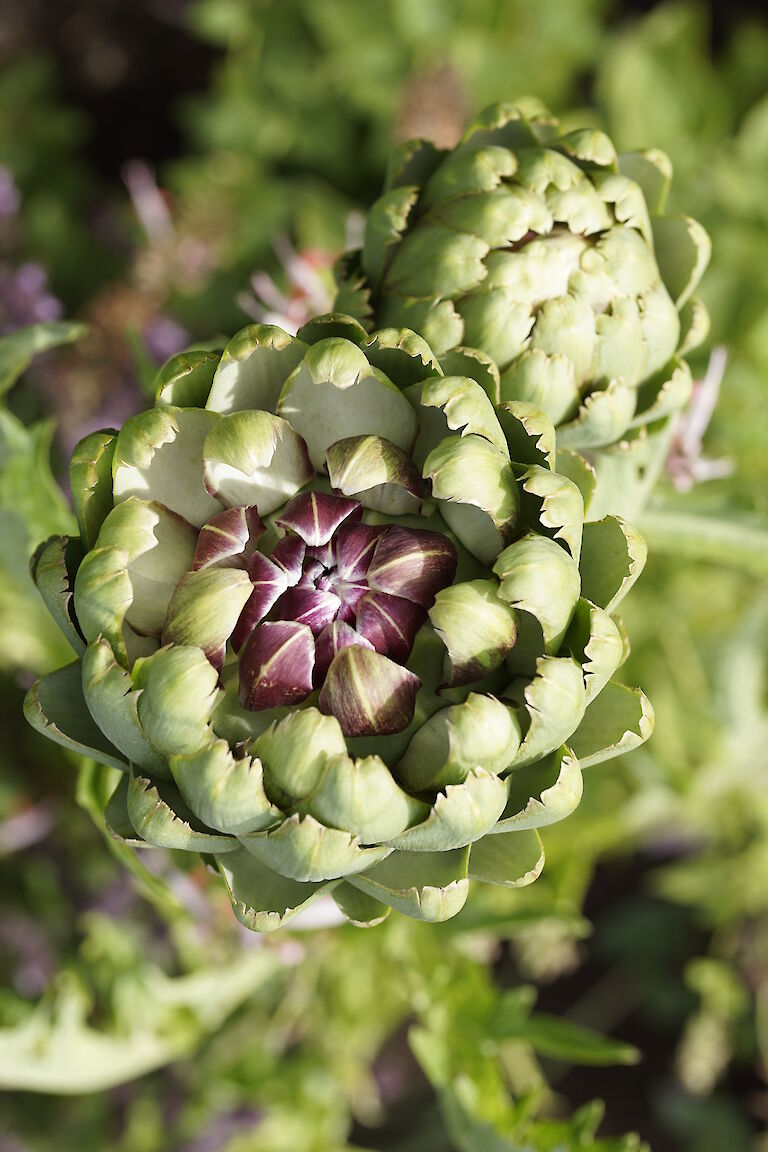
(330, 583)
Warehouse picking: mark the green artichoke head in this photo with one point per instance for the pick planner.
(339, 622)
(552, 255)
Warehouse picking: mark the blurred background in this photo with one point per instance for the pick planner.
(173, 170)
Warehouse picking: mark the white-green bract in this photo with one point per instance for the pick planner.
(549, 253)
(339, 623)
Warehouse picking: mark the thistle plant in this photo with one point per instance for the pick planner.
(552, 255)
(339, 624)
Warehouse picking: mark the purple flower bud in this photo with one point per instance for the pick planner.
(331, 583)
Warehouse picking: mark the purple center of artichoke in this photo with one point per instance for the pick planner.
(333, 583)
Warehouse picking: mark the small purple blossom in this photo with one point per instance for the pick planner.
(24, 297)
(164, 338)
(686, 464)
(309, 292)
(10, 197)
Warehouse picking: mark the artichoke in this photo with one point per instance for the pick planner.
(552, 256)
(340, 625)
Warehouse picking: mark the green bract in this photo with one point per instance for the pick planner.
(551, 255)
(339, 622)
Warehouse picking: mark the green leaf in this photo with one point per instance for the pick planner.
(331, 324)
(595, 640)
(185, 381)
(652, 170)
(448, 746)
(159, 456)
(359, 908)
(459, 816)
(28, 489)
(179, 690)
(306, 850)
(618, 720)
(253, 368)
(55, 706)
(90, 480)
(736, 542)
(18, 349)
(264, 900)
(602, 418)
(224, 792)
(403, 356)
(529, 432)
(113, 703)
(540, 578)
(510, 859)
(335, 393)
(377, 473)
(569, 463)
(682, 249)
(561, 1039)
(666, 392)
(386, 222)
(436, 261)
(477, 491)
(160, 816)
(425, 885)
(465, 408)
(553, 504)
(613, 555)
(543, 792)
(102, 792)
(57, 1051)
(475, 364)
(54, 566)
(477, 627)
(555, 699)
(362, 797)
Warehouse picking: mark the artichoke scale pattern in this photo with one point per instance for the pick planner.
(551, 255)
(339, 622)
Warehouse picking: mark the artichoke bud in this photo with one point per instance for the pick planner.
(308, 574)
(547, 252)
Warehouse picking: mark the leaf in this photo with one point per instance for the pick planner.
(53, 568)
(511, 859)
(28, 489)
(682, 250)
(55, 707)
(264, 900)
(56, 1050)
(542, 792)
(18, 349)
(736, 542)
(359, 908)
(426, 885)
(561, 1039)
(617, 721)
(613, 555)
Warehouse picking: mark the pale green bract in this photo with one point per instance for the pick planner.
(379, 723)
(552, 257)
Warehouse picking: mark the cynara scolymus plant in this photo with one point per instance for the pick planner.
(552, 255)
(339, 623)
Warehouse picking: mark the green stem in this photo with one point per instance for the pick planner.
(735, 542)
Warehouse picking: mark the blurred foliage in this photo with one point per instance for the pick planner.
(42, 143)
(658, 81)
(310, 95)
(408, 1036)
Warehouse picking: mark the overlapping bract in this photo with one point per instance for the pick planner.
(339, 622)
(552, 255)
